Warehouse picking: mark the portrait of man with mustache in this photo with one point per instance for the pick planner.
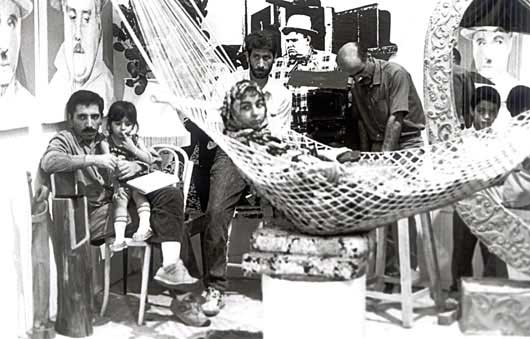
(79, 61)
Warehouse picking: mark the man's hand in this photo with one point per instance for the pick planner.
(107, 161)
(127, 169)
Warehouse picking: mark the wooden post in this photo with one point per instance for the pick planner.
(74, 281)
(40, 254)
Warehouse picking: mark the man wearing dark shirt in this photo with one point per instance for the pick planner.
(384, 97)
(389, 111)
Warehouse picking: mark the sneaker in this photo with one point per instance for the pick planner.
(118, 246)
(174, 275)
(187, 310)
(214, 301)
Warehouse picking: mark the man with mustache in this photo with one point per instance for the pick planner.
(226, 184)
(79, 149)
(12, 93)
(300, 56)
(17, 108)
(79, 61)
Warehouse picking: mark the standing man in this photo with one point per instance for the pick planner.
(79, 61)
(226, 184)
(390, 114)
(300, 56)
(485, 105)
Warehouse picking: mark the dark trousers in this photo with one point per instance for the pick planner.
(463, 248)
(226, 189)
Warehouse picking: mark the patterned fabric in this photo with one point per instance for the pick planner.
(304, 267)
(120, 151)
(268, 239)
(319, 61)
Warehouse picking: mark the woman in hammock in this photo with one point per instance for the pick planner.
(244, 114)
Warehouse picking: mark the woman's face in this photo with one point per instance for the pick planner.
(121, 128)
(250, 111)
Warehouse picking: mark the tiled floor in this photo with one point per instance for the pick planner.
(242, 318)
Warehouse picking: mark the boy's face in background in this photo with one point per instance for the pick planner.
(484, 114)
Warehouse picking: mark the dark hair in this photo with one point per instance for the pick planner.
(120, 110)
(260, 40)
(457, 57)
(518, 100)
(83, 98)
(485, 93)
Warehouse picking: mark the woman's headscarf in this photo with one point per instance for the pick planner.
(236, 93)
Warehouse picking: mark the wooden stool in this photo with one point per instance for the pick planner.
(407, 297)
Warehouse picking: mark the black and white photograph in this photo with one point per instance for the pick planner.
(265, 169)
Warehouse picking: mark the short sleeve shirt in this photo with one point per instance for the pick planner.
(390, 91)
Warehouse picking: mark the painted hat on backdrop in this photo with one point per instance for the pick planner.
(299, 23)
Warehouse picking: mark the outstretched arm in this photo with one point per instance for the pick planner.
(57, 158)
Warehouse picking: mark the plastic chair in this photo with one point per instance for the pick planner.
(175, 160)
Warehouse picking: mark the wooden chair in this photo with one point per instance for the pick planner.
(70, 236)
(175, 160)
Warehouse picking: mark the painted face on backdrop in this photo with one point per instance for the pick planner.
(10, 31)
(261, 61)
(82, 36)
(251, 110)
(86, 121)
(491, 50)
(297, 44)
(485, 114)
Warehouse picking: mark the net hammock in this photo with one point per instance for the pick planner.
(378, 189)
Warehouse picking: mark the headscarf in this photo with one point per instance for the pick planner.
(230, 117)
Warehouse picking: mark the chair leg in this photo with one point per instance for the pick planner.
(405, 272)
(433, 268)
(125, 264)
(204, 259)
(106, 280)
(145, 281)
(380, 258)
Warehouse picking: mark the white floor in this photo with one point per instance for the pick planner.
(243, 313)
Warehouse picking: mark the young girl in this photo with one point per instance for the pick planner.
(124, 143)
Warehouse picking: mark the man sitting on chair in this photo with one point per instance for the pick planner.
(78, 148)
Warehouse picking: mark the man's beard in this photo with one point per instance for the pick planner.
(260, 74)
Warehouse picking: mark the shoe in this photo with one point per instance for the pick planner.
(187, 310)
(118, 246)
(214, 301)
(137, 236)
(174, 275)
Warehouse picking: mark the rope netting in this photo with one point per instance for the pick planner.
(378, 189)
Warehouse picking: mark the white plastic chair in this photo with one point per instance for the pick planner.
(177, 161)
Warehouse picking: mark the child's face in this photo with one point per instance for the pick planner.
(250, 111)
(121, 128)
(485, 114)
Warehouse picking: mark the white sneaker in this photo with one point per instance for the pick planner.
(175, 274)
(214, 302)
